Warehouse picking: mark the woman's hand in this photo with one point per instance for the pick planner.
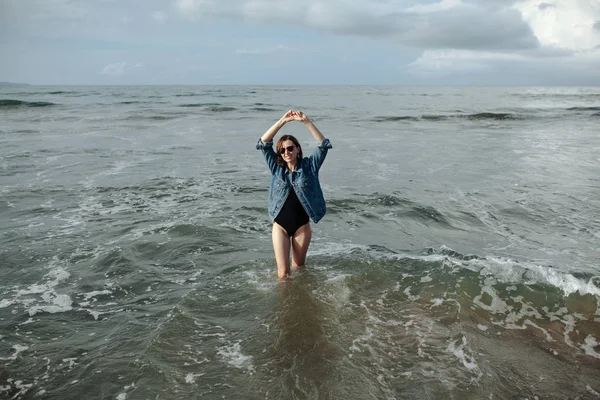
(294, 115)
(300, 116)
(272, 131)
(289, 116)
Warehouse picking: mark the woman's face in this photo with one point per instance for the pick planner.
(288, 155)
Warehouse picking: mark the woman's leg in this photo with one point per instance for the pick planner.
(281, 246)
(300, 243)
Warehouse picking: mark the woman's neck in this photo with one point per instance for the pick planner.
(291, 166)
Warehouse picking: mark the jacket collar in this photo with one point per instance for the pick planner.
(297, 169)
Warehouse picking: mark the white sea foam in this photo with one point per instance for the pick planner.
(410, 296)
(123, 395)
(460, 351)
(526, 310)
(590, 344)
(363, 340)
(333, 248)
(42, 296)
(95, 314)
(337, 292)
(89, 295)
(53, 278)
(191, 378)
(564, 281)
(262, 280)
(59, 303)
(544, 331)
(436, 302)
(71, 361)
(569, 321)
(18, 349)
(232, 355)
(22, 387)
(5, 302)
(334, 277)
(502, 269)
(510, 271)
(592, 391)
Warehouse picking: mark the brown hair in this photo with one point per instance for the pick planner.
(282, 139)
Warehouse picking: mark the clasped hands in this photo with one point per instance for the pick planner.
(293, 115)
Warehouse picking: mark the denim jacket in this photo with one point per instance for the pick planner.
(305, 180)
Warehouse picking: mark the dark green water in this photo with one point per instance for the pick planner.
(458, 257)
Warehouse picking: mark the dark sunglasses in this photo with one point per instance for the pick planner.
(289, 148)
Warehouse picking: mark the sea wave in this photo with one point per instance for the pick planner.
(502, 269)
(142, 117)
(499, 116)
(10, 103)
(378, 205)
(583, 108)
(522, 115)
(211, 107)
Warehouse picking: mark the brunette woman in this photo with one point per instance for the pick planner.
(295, 195)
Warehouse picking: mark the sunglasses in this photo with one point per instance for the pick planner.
(289, 149)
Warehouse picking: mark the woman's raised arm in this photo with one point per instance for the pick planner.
(300, 116)
(272, 131)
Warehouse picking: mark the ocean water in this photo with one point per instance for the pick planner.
(459, 257)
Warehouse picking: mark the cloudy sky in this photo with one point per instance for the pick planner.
(439, 42)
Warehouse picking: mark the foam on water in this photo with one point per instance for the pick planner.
(59, 303)
(123, 394)
(18, 349)
(43, 296)
(589, 345)
(232, 355)
(262, 280)
(191, 378)
(502, 269)
(463, 353)
(566, 282)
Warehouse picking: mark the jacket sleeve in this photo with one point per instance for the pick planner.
(318, 156)
(269, 153)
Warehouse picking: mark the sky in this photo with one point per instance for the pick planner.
(300, 42)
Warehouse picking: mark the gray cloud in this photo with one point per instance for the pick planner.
(544, 6)
(549, 52)
(492, 4)
(472, 29)
(489, 40)
(471, 26)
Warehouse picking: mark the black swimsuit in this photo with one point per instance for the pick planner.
(292, 216)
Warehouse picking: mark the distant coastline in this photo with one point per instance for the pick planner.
(13, 84)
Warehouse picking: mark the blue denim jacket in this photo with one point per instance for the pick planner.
(305, 180)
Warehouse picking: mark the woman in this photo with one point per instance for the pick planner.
(295, 194)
